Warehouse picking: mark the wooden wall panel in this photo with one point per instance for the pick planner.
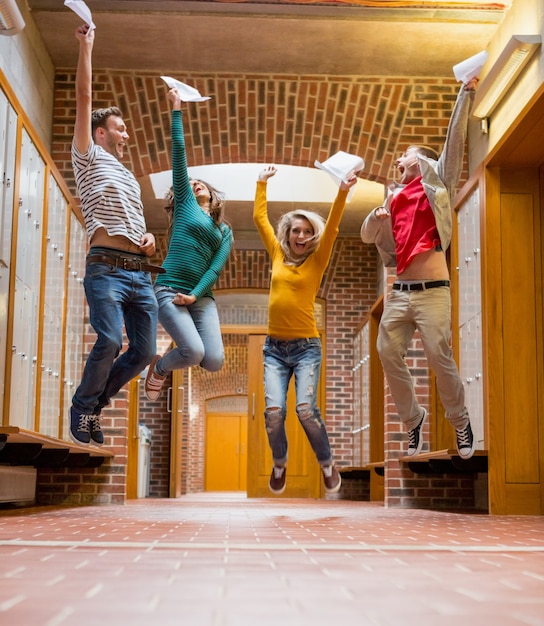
(520, 350)
(514, 321)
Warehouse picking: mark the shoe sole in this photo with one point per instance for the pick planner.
(278, 492)
(466, 457)
(335, 489)
(76, 440)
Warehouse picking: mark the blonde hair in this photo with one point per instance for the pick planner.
(426, 151)
(284, 230)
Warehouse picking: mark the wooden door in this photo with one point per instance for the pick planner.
(303, 472)
(226, 452)
(177, 399)
(133, 437)
(514, 348)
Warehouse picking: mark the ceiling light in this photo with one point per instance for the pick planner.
(504, 72)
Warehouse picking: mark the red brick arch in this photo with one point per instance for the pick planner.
(267, 119)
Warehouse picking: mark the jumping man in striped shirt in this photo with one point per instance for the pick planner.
(117, 280)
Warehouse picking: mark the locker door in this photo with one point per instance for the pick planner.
(75, 316)
(28, 271)
(8, 130)
(51, 357)
(22, 365)
(30, 216)
(470, 313)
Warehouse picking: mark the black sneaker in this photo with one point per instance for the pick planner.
(415, 440)
(332, 478)
(277, 480)
(465, 441)
(96, 432)
(80, 430)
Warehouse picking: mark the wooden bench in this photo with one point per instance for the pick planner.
(362, 471)
(354, 472)
(377, 466)
(446, 462)
(25, 447)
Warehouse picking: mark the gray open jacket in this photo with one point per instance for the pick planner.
(439, 179)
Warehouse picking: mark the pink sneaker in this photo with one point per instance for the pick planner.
(153, 381)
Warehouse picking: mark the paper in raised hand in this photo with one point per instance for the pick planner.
(339, 165)
(470, 68)
(186, 92)
(82, 10)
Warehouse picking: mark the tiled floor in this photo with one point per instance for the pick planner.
(225, 560)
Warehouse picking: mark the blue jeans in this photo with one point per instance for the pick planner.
(195, 330)
(115, 295)
(282, 360)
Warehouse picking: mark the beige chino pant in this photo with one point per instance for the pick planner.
(429, 312)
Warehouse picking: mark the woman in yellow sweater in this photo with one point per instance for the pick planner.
(300, 254)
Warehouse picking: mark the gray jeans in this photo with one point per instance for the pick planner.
(195, 330)
(428, 312)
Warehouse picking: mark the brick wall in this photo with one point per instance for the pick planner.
(281, 119)
(266, 119)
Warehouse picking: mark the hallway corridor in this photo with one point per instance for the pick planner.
(217, 559)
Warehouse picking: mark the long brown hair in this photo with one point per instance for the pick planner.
(216, 210)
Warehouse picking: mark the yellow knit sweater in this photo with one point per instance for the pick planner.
(293, 289)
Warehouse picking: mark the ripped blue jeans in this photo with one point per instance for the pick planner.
(282, 360)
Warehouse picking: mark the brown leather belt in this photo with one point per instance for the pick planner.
(125, 263)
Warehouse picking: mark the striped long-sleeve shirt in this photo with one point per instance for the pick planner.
(198, 248)
(110, 194)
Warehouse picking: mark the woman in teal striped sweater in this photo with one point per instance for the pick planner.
(199, 245)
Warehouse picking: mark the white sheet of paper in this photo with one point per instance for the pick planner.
(470, 68)
(186, 92)
(339, 165)
(82, 10)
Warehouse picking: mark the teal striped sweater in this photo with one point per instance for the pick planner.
(198, 249)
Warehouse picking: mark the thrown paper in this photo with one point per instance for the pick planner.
(186, 92)
(340, 165)
(470, 68)
(82, 10)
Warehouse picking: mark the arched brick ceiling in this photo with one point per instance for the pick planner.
(290, 82)
(270, 119)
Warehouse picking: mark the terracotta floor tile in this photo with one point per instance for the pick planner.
(223, 559)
